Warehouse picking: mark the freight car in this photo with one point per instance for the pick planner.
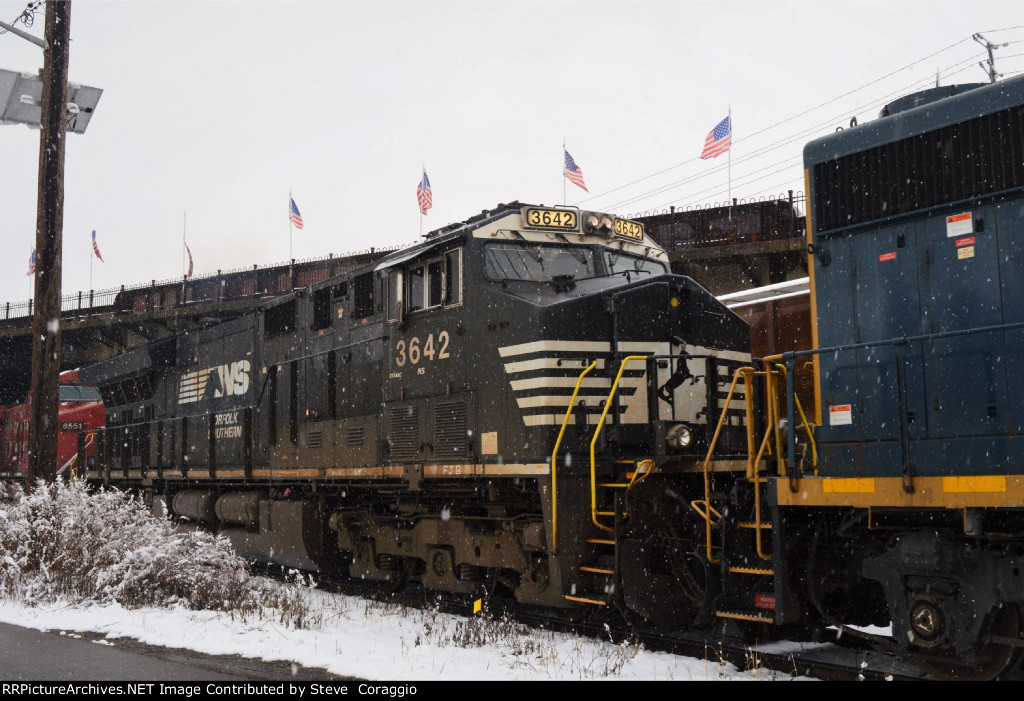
(80, 413)
(468, 415)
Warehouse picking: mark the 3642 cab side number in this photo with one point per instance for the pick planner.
(416, 350)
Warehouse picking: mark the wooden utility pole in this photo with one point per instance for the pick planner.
(46, 344)
(990, 47)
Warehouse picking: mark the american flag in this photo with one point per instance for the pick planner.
(423, 194)
(189, 250)
(96, 248)
(718, 139)
(573, 172)
(293, 213)
(32, 263)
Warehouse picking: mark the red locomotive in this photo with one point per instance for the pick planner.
(81, 410)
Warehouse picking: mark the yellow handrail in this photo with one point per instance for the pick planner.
(754, 467)
(740, 372)
(72, 462)
(754, 461)
(637, 478)
(597, 433)
(704, 509)
(773, 430)
(776, 412)
(554, 458)
(806, 425)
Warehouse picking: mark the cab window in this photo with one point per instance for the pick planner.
(619, 262)
(414, 288)
(435, 282)
(537, 263)
(78, 393)
(394, 295)
(430, 284)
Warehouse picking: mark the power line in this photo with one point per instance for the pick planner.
(951, 70)
(789, 119)
(1004, 29)
(785, 141)
(798, 176)
(27, 16)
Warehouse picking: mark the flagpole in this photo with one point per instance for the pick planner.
(730, 160)
(90, 266)
(184, 228)
(564, 198)
(290, 227)
(419, 205)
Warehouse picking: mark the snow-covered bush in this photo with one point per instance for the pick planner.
(62, 542)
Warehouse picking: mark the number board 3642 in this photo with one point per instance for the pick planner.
(560, 219)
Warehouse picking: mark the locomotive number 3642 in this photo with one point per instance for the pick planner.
(413, 353)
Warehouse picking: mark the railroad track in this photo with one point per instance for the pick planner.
(831, 660)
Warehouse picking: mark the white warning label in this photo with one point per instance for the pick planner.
(840, 415)
(959, 224)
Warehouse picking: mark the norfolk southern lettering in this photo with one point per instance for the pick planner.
(227, 425)
(226, 380)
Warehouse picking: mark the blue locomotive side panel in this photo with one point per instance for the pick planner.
(917, 221)
(1010, 256)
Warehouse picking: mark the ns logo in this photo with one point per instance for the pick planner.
(224, 380)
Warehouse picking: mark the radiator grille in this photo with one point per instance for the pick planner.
(315, 439)
(404, 432)
(971, 159)
(450, 430)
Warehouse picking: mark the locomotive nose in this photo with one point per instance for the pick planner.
(675, 308)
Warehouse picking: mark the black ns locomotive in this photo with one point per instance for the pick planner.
(521, 403)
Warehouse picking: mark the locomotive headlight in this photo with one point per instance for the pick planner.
(607, 223)
(679, 436)
(593, 222)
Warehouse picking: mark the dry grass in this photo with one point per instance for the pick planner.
(542, 653)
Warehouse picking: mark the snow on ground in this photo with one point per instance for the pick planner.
(354, 637)
(76, 561)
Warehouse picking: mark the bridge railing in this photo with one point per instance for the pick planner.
(755, 220)
(221, 286)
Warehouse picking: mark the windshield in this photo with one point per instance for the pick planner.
(74, 393)
(619, 262)
(558, 263)
(536, 263)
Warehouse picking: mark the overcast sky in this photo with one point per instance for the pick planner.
(219, 109)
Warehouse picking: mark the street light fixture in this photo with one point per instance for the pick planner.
(21, 101)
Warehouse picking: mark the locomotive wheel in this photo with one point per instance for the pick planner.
(994, 658)
(671, 584)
